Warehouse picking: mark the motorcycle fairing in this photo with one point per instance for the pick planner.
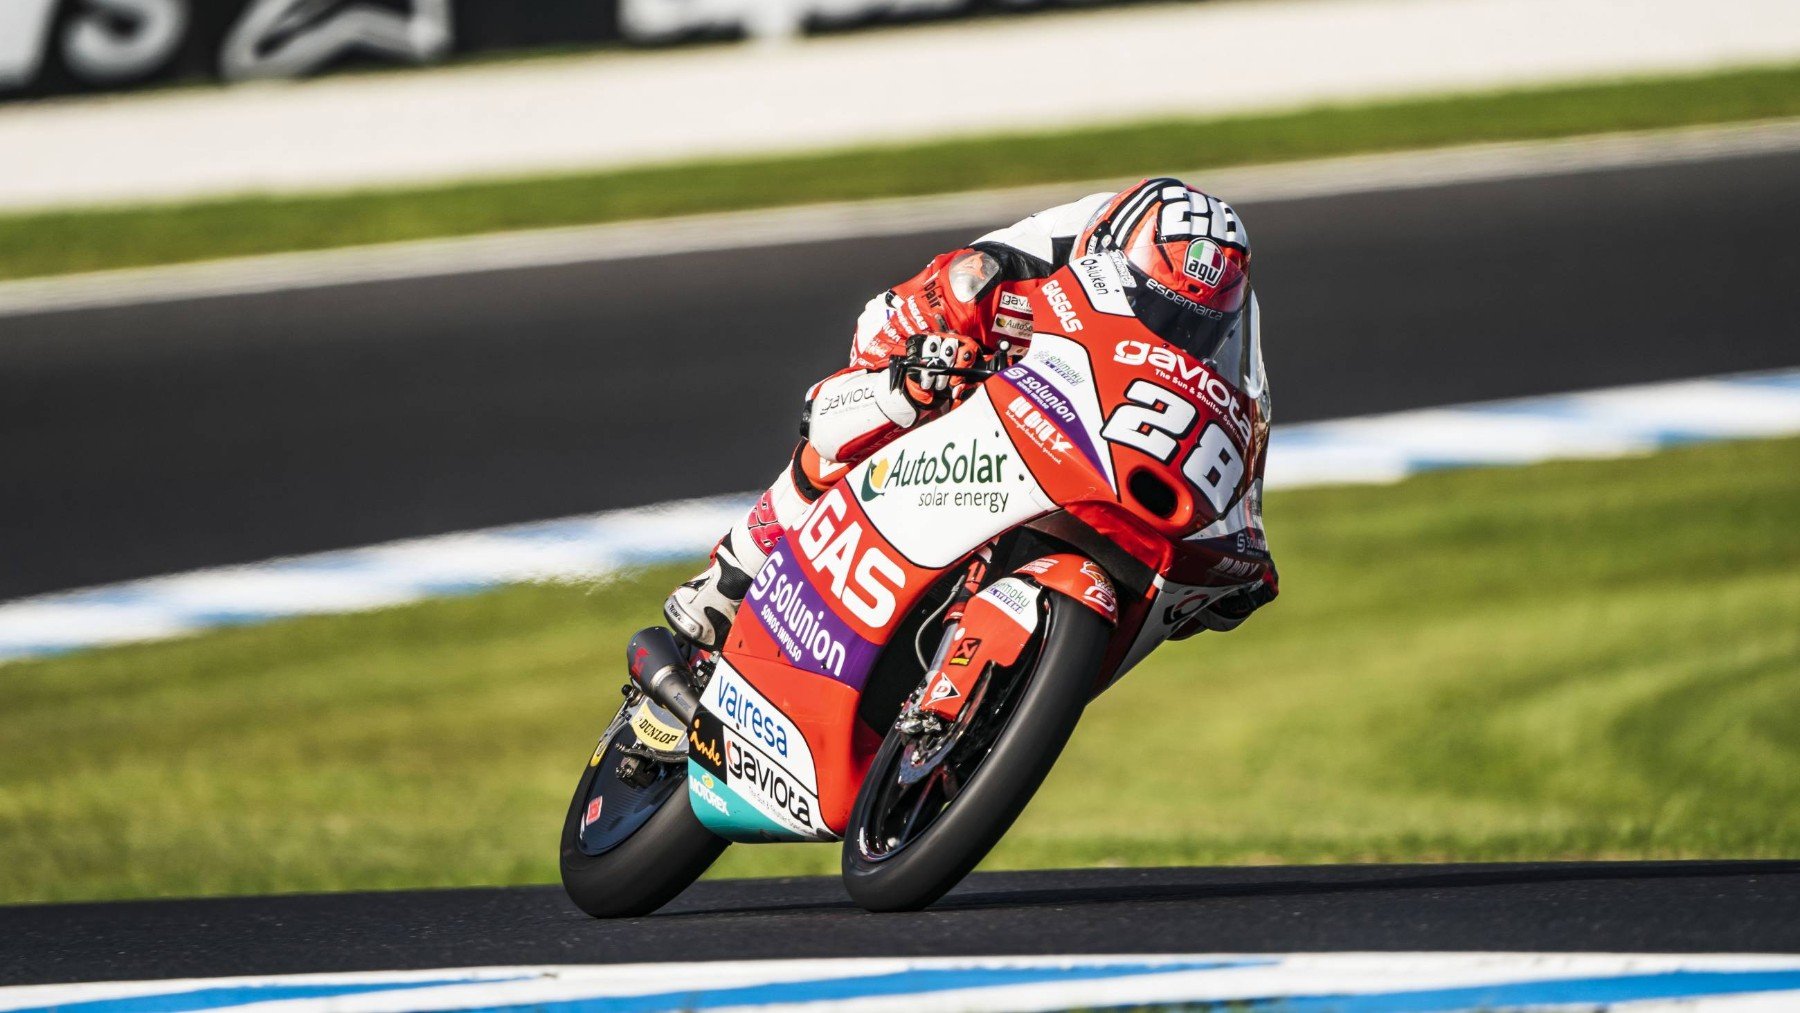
(1079, 578)
(807, 630)
(1166, 606)
(1053, 397)
(751, 774)
(1066, 428)
(942, 490)
(836, 585)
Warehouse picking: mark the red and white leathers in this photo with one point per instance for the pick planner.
(967, 292)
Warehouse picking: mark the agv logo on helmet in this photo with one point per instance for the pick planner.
(1205, 262)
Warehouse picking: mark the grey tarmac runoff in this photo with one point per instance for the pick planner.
(1593, 907)
(172, 434)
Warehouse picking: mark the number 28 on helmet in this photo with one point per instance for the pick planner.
(1188, 257)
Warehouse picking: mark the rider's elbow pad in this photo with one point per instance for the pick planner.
(849, 410)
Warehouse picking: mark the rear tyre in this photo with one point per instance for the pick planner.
(650, 846)
(905, 847)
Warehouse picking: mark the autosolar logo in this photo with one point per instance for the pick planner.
(949, 466)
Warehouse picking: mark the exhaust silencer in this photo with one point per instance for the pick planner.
(660, 669)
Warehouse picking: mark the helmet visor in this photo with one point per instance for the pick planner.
(1201, 331)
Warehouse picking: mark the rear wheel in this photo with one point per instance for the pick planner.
(630, 841)
(934, 803)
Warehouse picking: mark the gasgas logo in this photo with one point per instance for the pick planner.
(1063, 308)
(863, 577)
(1190, 374)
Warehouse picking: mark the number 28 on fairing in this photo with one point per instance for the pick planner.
(865, 578)
(1153, 420)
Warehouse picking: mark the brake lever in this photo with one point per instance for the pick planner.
(902, 363)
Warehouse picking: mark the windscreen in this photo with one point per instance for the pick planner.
(1200, 331)
(1229, 341)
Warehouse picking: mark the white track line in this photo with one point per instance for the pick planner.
(905, 216)
(1357, 981)
(1380, 448)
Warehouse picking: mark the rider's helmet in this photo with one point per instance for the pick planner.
(1188, 257)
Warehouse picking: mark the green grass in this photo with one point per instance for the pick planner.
(59, 242)
(1571, 660)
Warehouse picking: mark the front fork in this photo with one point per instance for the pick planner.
(914, 719)
(990, 627)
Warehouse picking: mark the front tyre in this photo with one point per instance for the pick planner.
(640, 844)
(919, 826)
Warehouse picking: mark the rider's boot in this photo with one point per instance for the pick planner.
(848, 415)
(702, 609)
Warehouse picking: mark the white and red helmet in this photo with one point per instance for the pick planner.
(1188, 255)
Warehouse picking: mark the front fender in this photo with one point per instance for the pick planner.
(1079, 578)
(1000, 620)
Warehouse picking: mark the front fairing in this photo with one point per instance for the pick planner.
(785, 694)
(1127, 432)
(1142, 447)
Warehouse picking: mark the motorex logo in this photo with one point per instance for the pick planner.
(1048, 398)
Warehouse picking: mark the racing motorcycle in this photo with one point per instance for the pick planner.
(915, 653)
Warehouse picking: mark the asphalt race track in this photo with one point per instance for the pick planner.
(158, 438)
(162, 437)
(1672, 907)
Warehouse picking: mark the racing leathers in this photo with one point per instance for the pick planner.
(960, 310)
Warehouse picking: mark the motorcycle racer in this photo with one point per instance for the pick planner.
(1188, 256)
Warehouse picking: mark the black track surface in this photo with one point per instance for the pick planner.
(1733, 907)
(142, 440)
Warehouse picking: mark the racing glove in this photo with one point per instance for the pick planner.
(923, 372)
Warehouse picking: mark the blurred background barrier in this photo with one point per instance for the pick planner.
(607, 110)
(50, 47)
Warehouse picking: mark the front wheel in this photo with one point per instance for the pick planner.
(930, 810)
(630, 841)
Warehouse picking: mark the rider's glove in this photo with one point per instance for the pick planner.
(922, 370)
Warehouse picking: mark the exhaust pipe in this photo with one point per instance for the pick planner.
(660, 669)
